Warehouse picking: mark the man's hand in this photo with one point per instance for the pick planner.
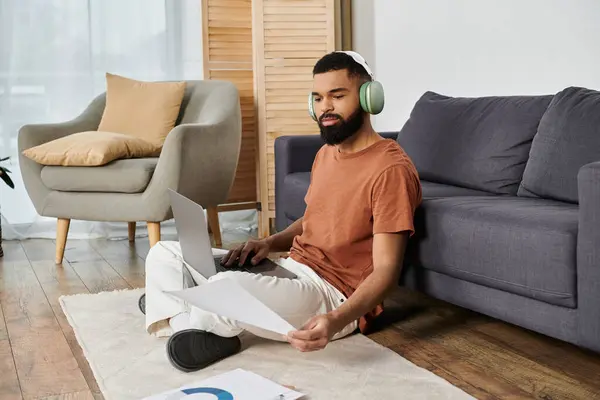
(260, 248)
(316, 333)
(281, 241)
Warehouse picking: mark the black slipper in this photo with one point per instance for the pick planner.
(192, 349)
(142, 303)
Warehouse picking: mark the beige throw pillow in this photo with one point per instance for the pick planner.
(147, 110)
(91, 148)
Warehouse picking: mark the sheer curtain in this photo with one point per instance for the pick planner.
(53, 58)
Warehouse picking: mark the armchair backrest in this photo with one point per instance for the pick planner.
(202, 100)
(208, 100)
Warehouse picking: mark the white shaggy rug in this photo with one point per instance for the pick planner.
(130, 364)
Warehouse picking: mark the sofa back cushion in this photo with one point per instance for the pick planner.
(568, 138)
(479, 143)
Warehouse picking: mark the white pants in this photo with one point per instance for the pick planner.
(295, 300)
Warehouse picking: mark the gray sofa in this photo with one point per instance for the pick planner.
(510, 220)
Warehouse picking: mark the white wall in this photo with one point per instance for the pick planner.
(363, 30)
(476, 47)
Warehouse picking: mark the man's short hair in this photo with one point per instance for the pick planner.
(336, 61)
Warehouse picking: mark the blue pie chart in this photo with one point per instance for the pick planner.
(219, 394)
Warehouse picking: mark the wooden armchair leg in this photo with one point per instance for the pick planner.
(62, 230)
(153, 233)
(213, 223)
(131, 231)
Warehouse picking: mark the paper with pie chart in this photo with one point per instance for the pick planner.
(227, 298)
(238, 384)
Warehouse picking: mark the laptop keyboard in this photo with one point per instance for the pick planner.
(221, 268)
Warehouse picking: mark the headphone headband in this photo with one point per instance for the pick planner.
(371, 93)
(359, 59)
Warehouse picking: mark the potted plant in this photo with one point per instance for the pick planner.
(6, 178)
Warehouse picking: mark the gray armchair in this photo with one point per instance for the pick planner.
(199, 159)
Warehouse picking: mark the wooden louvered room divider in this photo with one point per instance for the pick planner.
(267, 48)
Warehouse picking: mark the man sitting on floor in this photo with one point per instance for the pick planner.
(347, 250)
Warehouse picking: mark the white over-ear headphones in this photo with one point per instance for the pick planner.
(359, 59)
(371, 94)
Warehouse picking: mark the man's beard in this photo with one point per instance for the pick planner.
(342, 130)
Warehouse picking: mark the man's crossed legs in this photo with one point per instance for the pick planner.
(197, 337)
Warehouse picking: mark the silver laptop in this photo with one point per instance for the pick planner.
(196, 249)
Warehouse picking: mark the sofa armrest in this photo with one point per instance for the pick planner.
(297, 153)
(292, 154)
(588, 256)
(37, 134)
(389, 135)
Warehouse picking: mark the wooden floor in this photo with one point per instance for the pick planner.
(40, 357)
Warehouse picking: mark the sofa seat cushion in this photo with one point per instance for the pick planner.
(433, 189)
(121, 176)
(523, 246)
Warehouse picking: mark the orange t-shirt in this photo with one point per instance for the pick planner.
(351, 197)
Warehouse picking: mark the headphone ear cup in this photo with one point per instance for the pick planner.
(362, 96)
(311, 107)
(372, 98)
(376, 97)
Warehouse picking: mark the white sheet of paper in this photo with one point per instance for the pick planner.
(227, 298)
(238, 384)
